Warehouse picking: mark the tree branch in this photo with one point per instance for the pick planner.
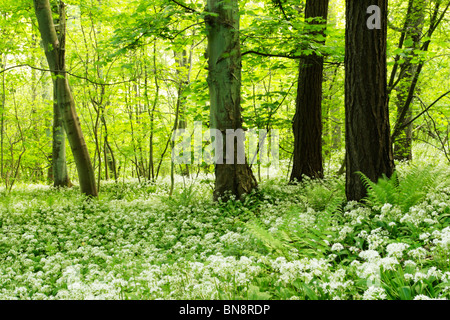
(69, 73)
(272, 55)
(185, 6)
(419, 115)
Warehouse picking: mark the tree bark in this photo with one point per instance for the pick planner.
(307, 124)
(55, 54)
(59, 164)
(368, 142)
(224, 80)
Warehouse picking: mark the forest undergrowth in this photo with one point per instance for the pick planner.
(287, 241)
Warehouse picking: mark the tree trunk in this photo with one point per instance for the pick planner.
(367, 131)
(224, 80)
(151, 112)
(413, 32)
(56, 61)
(307, 124)
(183, 68)
(59, 164)
(435, 19)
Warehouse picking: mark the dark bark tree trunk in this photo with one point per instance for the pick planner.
(307, 124)
(368, 142)
(56, 61)
(224, 80)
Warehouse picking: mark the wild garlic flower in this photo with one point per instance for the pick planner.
(386, 208)
(396, 249)
(374, 293)
(345, 230)
(424, 297)
(369, 255)
(418, 253)
(337, 247)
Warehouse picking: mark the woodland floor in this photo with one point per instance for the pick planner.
(286, 242)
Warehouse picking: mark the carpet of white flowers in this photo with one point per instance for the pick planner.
(135, 242)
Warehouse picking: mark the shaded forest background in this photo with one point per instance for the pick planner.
(138, 70)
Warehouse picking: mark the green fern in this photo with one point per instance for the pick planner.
(267, 239)
(335, 205)
(404, 192)
(307, 241)
(384, 191)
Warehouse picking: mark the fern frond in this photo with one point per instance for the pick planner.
(267, 239)
(404, 192)
(384, 191)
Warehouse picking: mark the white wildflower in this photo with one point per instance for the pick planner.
(418, 253)
(369, 255)
(396, 249)
(386, 208)
(374, 293)
(337, 247)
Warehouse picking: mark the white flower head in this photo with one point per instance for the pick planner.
(386, 208)
(374, 293)
(396, 249)
(337, 247)
(369, 255)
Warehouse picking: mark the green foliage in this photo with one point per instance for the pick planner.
(269, 241)
(271, 245)
(404, 191)
(284, 242)
(304, 238)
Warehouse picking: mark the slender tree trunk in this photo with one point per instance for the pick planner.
(307, 124)
(151, 171)
(183, 72)
(172, 145)
(59, 164)
(110, 161)
(413, 32)
(46, 88)
(367, 131)
(56, 61)
(334, 113)
(435, 20)
(224, 80)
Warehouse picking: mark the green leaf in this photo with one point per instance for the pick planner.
(405, 293)
(255, 294)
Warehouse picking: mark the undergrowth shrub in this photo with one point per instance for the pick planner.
(403, 191)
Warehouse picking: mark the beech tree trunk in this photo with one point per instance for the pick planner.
(307, 124)
(368, 142)
(59, 164)
(224, 80)
(55, 54)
